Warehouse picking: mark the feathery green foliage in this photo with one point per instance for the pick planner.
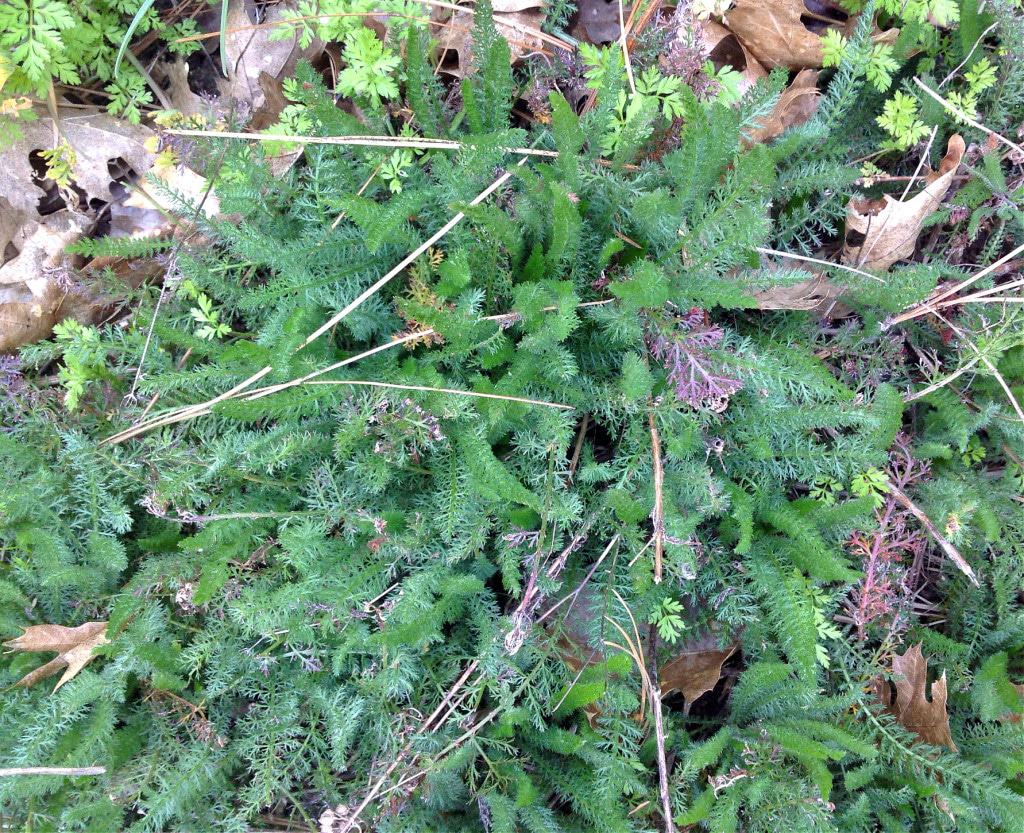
(337, 588)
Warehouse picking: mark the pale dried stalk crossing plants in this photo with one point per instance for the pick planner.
(193, 411)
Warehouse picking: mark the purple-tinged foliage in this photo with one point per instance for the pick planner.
(12, 386)
(692, 372)
(12, 381)
(891, 555)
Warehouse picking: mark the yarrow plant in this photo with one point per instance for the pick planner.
(525, 497)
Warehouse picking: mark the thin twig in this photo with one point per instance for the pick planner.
(158, 91)
(868, 181)
(928, 305)
(636, 649)
(643, 549)
(952, 552)
(425, 727)
(579, 588)
(988, 363)
(992, 300)
(474, 729)
(575, 459)
(917, 170)
(420, 143)
(625, 51)
(202, 408)
(952, 108)
(658, 514)
(963, 63)
(912, 397)
(241, 390)
(163, 289)
(659, 731)
(981, 294)
(407, 261)
(362, 189)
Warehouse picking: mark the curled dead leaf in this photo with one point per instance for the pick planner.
(725, 49)
(32, 297)
(927, 719)
(250, 52)
(816, 294)
(74, 647)
(179, 92)
(798, 102)
(883, 231)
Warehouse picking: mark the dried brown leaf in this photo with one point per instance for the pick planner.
(816, 294)
(33, 296)
(179, 92)
(798, 102)
(697, 668)
(250, 52)
(456, 35)
(597, 21)
(783, 32)
(926, 718)
(32, 299)
(97, 139)
(883, 231)
(74, 647)
(725, 49)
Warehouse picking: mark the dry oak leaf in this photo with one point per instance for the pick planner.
(816, 294)
(697, 668)
(32, 299)
(250, 51)
(101, 144)
(74, 647)
(883, 231)
(927, 719)
(784, 33)
(98, 140)
(798, 102)
(725, 49)
(454, 32)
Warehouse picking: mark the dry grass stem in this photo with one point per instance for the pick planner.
(803, 258)
(454, 391)
(353, 141)
(929, 305)
(67, 771)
